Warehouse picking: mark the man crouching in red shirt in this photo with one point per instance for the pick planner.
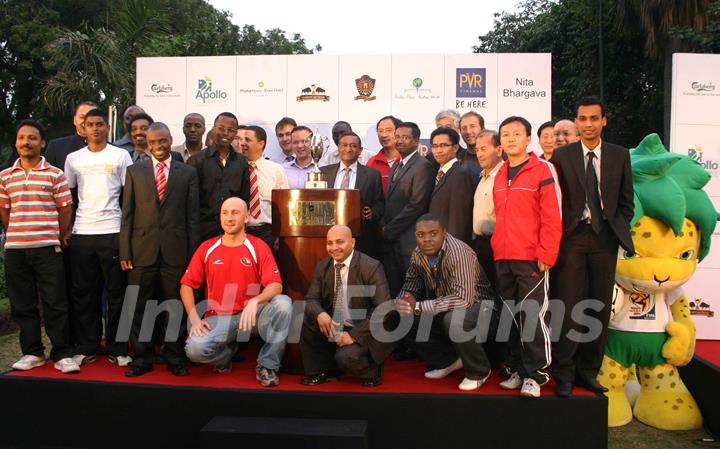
(243, 290)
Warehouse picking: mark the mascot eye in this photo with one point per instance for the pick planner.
(687, 255)
(625, 255)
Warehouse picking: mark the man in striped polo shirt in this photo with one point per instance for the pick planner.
(35, 208)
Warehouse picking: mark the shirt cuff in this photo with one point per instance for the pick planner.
(427, 306)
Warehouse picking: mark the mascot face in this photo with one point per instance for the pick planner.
(663, 261)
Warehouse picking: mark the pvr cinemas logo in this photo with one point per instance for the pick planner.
(470, 82)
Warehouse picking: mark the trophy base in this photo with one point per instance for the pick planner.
(315, 180)
(316, 184)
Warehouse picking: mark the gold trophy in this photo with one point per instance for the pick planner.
(316, 178)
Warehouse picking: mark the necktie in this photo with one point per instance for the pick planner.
(345, 183)
(593, 197)
(439, 176)
(254, 192)
(160, 180)
(395, 175)
(338, 302)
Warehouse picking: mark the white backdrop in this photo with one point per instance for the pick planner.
(695, 131)
(262, 89)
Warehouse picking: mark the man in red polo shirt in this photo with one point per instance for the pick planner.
(243, 290)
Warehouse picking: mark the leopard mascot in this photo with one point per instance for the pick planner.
(650, 325)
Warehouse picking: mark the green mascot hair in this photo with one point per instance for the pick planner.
(668, 187)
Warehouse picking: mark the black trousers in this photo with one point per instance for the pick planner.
(34, 273)
(395, 265)
(263, 232)
(525, 291)
(585, 270)
(159, 282)
(95, 261)
(442, 347)
(319, 355)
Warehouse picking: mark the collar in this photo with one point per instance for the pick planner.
(353, 167)
(166, 161)
(595, 150)
(42, 165)
(448, 165)
(493, 171)
(346, 261)
(212, 149)
(405, 159)
(295, 163)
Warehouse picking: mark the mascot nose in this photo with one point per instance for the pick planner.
(661, 282)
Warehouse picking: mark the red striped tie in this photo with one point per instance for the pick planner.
(160, 180)
(254, 192)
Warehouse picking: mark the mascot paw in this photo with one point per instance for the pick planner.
(678, 349)
(664, 401)
(613, 376)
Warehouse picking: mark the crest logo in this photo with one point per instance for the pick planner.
(365, 86)
(246, 262)
(313, 92)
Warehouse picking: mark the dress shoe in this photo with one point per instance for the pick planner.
(135, 371)
(591, 384)
(375, 380)
(177, 370)
(320, 378)
(563, 389)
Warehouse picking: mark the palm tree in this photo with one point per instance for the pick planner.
(657, 18)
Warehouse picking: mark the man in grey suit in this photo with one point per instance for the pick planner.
(158, 235)
(452, 196)
(350, 174)
(337, 331)
(411, 183)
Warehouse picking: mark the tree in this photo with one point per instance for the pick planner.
(658, 18)
(704, 41)
(568, 30)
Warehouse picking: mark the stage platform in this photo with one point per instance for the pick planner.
(702, 377)
(100, 408)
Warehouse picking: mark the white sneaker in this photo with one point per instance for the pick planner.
(67, 366)
(121, 360)
(440, 373)
(473, 384)
(28, 362)
(530, 389)
(512, 383)
(81, 359)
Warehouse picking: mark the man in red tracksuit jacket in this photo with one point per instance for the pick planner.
(525, 244)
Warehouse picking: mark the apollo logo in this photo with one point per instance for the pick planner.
(206, 93)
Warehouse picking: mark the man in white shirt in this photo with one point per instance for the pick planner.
(265, 176)
(297, 169)
(193, 129)
(283, 132)
(489, 155)
(97, 174)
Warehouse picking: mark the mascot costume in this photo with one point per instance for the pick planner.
(650, 325)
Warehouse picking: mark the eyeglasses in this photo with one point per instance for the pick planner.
(442, 145)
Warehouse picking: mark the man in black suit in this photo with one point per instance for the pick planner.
(596, 182)
(336, 334)
(350, 174)
(158, 235)
(452, 197)
(58, 149)
(411, 184)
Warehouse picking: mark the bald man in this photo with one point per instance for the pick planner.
(565, 133)
(243, 288)
(336, 334)
(193, 129)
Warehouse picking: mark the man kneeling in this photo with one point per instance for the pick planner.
(458, 304)
(243, 290)
(332, 340)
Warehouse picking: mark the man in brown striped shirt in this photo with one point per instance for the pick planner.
(35, 208)
(446, 290)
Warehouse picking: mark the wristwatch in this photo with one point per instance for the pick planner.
(417, 310)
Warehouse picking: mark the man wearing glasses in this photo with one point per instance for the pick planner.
(453, 190)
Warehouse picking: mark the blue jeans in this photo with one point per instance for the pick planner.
(273, 321)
